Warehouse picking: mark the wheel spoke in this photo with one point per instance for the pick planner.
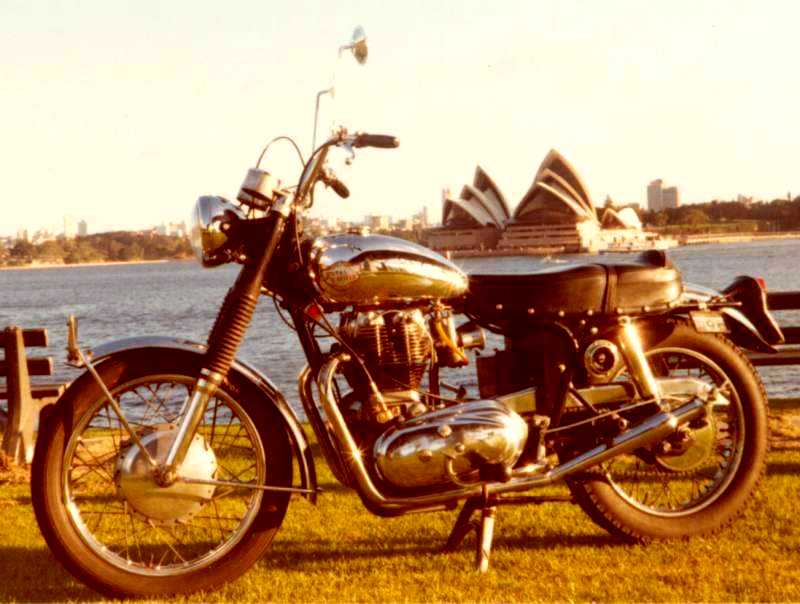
(684, 480)
(134, 523)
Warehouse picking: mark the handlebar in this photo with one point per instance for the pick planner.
(380, 141)
(314, 170)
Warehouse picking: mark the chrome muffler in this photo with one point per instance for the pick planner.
(648, 432)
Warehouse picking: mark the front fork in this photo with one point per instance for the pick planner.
(204, 389)
(638, 368)
(227, 334)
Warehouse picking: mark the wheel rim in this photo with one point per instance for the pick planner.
(678, 484)
(118, 529)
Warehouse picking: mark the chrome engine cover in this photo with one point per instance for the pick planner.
(417, 453)
(377, 269)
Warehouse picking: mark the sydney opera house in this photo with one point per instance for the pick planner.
(556, 214)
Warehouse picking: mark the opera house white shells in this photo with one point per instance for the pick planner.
(556, 214)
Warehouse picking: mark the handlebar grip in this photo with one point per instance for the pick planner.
(339, 188)
(381, 141)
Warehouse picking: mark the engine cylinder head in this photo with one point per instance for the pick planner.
(394, 345)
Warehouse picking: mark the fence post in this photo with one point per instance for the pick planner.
(18, 440)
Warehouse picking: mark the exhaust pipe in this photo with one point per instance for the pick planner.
(648, 432)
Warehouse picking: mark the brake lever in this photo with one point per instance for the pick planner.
(332, 181)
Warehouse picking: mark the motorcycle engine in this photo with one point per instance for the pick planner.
(396, 347)
(414, 445)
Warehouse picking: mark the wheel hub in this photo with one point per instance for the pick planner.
(179, 501)
(691, 448)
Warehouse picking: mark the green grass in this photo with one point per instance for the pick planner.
(337, 551)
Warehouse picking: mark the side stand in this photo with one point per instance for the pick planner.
(483, 527)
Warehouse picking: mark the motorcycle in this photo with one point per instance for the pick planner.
(168, 465)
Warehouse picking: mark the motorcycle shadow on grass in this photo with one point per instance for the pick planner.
(783, 467)
(322, 551)
(30, 574)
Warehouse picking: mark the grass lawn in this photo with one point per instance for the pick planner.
(337, 551)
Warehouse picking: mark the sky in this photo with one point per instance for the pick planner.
(123, 113)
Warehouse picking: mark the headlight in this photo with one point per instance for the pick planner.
(211, 221)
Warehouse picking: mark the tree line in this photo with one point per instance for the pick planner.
(776, 215)
(102, 247)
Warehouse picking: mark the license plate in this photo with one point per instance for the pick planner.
(707, 321)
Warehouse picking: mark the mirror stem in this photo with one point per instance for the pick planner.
(316, 116)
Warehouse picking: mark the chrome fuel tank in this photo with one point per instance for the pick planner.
(377, 269)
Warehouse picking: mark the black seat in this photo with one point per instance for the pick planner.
(648, 282)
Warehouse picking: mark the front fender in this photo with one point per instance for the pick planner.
(302, 450)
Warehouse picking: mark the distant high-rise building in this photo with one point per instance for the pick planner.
(660, 198)
(70, 227)
(83, 228)
(654, 195)
(406, 224)
(377, 222)
(670, 198)
(22, 235)
(172, 229)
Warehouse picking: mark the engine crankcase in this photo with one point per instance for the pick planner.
(449, 445)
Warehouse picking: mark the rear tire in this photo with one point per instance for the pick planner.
(701, 491)
(99, 528)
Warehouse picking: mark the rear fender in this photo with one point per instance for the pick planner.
(300, 446)
(743, 333)
(754, 329)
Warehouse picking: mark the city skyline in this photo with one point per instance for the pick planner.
(128, 130)
(374, 220)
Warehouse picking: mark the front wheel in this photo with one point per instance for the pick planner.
(100, 509)
(700, 479)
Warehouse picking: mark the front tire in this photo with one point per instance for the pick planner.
(655, 496)
(118, 532)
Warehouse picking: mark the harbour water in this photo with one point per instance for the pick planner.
(181, 299)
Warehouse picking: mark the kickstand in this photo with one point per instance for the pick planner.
(483, 527)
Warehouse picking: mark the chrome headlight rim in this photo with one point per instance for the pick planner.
(209, 237)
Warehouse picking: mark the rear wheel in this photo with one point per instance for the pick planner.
(103, 514)
(699, 479)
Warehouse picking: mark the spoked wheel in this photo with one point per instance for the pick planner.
(103, 513)
(697, 480)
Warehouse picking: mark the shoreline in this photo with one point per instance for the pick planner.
(700, 239)
(44, 265)
(682, 241)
